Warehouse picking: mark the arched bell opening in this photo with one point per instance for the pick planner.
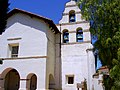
(72, 17)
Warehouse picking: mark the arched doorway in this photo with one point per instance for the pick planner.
(31, 82)
(12, 80)
(51, 82)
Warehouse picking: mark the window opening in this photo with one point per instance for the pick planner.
(79, 35)
(72, 17)
(14, 51)
(65, 37)
(70, 79)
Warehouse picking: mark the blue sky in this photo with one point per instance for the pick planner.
(48, 8)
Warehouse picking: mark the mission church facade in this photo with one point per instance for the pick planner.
(36, 54)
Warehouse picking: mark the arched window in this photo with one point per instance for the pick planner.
(65, 36)
(79, 35)
(72, 17)
(31, 83)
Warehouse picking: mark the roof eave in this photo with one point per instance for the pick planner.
(46, 20)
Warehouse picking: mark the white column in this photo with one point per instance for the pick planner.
(72, 37)
(22, 84)
(91, 67)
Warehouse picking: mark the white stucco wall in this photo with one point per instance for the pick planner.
(31, 36)
(26, 67)
(76, 59)
(58, 62)
(75, 62)
(50, 68)
(98, 85)
(36, 43)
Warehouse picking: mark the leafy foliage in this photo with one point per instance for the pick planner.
(115, 72)
(104, 17)
(3, 14)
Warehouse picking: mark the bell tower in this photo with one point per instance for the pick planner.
(77, 58)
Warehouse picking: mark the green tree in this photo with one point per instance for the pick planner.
(115, 72)
(3, 14)
(104, 16)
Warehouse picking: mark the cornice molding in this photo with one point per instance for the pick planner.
(9, 39)
(70, 5)
(31, 57)
(71, 43)
(86, 30)
(72, 23)
(68, 13)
